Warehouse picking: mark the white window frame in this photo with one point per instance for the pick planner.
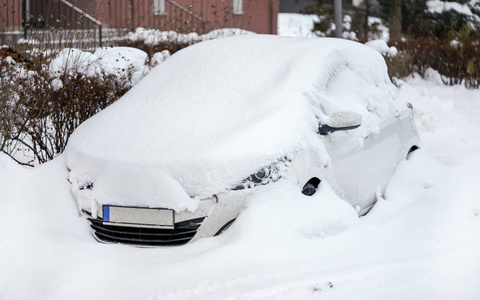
(159, 7)
(237, 7)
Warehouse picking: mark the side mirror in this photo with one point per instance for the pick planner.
(339, 121)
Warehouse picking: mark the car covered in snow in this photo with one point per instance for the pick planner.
(180, 155)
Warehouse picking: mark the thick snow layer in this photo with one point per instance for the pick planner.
(160, 57)
(5, 160)
(422, 241)
(290, 221)
(296, 25)
(451, 130)
(216, 112)
(71, 60)
(124, 184)
(128, 65)
(121, 61)
(382, 47)
(155, 36)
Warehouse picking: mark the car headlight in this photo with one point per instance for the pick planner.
(265, 175)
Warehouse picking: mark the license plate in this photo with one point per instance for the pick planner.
(139, 217)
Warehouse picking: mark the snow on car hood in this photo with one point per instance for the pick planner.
(220, 110)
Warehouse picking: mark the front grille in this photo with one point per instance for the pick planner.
(180, 235)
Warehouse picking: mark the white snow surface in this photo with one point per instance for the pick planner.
(422, 241)
(296, 25)
(382, 47)
(128, 65)
(121, 61)
(216, 112)
(155, 36)
(71, 60)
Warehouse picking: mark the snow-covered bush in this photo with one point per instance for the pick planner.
(457, 63)
(9, 120)
(400, 65)
(6, 122)
(126, 65)
(39, 114)
(44, 100)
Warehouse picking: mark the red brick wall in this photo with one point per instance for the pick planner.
(10, 15)
(259, 15)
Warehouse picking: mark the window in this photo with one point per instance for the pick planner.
(159, 7)
(237, 7)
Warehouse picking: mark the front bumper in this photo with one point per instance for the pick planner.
(181, 234)
(213, 213)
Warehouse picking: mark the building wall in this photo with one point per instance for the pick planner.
(10, 15)
(193, 16)
(197, 16)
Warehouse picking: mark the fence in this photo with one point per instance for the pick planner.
(53, 22)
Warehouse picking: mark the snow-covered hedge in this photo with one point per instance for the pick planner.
(457, 63)
(42, 102)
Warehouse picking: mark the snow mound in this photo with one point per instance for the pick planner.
(71, 60)
(216, 112)
(298, 25)
(6, 161)
(289, 216)
(124, 184)
(382, 47)
(155, 36)
(121, 61)
(160, 57)
(128, 65)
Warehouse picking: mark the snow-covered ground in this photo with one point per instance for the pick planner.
(421, 242)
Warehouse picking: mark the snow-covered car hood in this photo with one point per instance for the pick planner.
(218, 111)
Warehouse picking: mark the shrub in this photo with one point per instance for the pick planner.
(39, 113)
(53, 113)
(6, 113)
(457, 61)
(151, 49)
(400, 65)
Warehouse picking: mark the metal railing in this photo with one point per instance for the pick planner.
(59, 22)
